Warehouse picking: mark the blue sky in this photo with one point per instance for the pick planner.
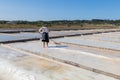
(59, 9)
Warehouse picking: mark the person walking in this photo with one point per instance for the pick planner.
(45, 35)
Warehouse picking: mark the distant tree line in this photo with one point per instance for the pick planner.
(64, 22)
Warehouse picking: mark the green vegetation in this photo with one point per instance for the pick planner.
(62, 24)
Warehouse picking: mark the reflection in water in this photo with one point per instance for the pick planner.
(18, 36)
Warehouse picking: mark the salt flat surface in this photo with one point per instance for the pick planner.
(95, 40)
(28, 35)
(110, 37)
(20, 65)
(29, 61)
(62, 52)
